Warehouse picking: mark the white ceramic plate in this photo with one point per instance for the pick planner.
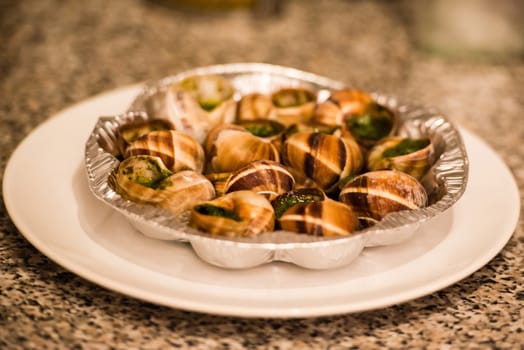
(46, 194)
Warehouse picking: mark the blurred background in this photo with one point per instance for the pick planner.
(465, 57)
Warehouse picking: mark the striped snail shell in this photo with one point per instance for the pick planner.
(236, 214)
(356, 110)
(411, 156)
(195, 104)
(265, 177)
(229, 147)
(254, 106)
(294, 104)
(177, 150)
(326, 159)
(340, 105)
(269, 130)
(129, 132)
(183, 190)
(377, 193)
(320, 218)
(138, 177)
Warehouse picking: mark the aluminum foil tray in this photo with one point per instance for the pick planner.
(445, 182)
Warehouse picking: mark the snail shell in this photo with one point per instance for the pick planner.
(320, 218)
(265, 177)
(256, 106)
(269, 130)
(411, 156)
(230, 147)
(183, 190)
(294, 104)
(219, 181)
(177, 150)
(377, 193)
(356, 110)
(340, 105)
(302, 195)
(325, 159)
(138, 177)
(129, 132)
(195, 105)
(236, 214)
(375, 123)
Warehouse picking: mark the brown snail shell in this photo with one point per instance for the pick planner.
(411, 156)
(269, 130)
(340, 105)
(325, 159)
(138, 177)
(294, 104)
(236, 214)
(219, 181)
(177, 150)
(356, 111)
(320, 218)
(129, 132)
(229, 147)
(265, 177)
(195, 105)
(183, 190)
(255, 106)
(302, 195)
(377, 193)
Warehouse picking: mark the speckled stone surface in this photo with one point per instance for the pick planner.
(55, 53)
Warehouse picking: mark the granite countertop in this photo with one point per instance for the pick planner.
(56, 53)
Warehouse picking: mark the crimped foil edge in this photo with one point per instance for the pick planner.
(450, 170)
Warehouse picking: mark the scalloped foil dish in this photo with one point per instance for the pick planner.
(445, 182)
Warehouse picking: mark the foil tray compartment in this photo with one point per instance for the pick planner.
(445, 182)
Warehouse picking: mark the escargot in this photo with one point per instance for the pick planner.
(266, 177)
(325, 159)
(375, 194)
(411, 156)
(320, 218)
(236, 214)
(183, 190)
(195, 104)
(138, 177)
(145, 179)
(129, 132)
(367, 120)
(293, 104)
(229, 147)
(255, 106)
(177, 150)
